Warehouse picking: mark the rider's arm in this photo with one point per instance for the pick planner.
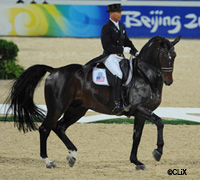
(128, 43)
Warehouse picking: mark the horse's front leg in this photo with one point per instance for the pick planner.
(138, 128)
(150, 116)
(157, 153)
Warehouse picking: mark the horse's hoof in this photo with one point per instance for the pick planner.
(157, 155)
(71, 161)
(51, 165)
(140, 167)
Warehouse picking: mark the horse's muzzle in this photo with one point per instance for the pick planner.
(168, 83)
(168, 79)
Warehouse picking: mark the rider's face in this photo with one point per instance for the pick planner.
(116, 16)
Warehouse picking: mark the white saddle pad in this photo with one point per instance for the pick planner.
(99, 75)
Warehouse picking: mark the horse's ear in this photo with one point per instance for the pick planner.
(176, 40)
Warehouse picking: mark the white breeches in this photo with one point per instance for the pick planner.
(112, 63)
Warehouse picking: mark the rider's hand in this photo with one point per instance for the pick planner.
(127, 50)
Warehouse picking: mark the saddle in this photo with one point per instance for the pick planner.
(102, 76)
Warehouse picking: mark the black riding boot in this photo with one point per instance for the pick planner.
(119, 108)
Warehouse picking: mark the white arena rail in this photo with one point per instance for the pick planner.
(189, 114)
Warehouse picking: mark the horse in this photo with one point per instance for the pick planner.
(70, 93)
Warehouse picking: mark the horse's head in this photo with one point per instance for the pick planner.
(159, 52)
(166, 56)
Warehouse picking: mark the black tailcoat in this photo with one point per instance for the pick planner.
(113, 39)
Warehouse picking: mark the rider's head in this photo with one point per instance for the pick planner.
(115, 12)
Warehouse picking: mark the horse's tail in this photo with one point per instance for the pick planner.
(25, 112)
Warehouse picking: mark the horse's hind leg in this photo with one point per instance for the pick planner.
(73, 114)
(55, 110)
(45, 129)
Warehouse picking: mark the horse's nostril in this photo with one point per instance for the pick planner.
(168, 83)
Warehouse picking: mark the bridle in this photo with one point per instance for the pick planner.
(170, 69)
(165, 69)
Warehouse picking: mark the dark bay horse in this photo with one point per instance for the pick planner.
(69, 91)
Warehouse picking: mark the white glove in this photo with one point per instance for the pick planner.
(137, 53)
(127, 50)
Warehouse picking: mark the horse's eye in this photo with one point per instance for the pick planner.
(173, 54)
(171, 49)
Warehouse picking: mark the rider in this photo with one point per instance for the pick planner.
(115, 42)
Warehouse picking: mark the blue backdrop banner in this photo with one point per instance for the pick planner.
(148, 21)
(87, 20)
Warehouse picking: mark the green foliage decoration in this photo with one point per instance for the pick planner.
(9, 69)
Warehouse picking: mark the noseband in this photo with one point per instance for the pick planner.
(170, 69)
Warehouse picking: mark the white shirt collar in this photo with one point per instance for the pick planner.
(116, 24)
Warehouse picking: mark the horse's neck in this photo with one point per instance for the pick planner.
(145, 69)
(144, 77)
(148, 73)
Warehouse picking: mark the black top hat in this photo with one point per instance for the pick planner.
(114, 7)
